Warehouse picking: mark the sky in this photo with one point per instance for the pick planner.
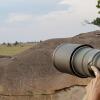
(35, 20)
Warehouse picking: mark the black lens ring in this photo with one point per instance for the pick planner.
(71, 60)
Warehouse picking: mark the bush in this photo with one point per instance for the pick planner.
(9, 44)
(16, 43)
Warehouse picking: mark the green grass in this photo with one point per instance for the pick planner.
(13, 50)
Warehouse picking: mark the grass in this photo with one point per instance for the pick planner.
(13, 50)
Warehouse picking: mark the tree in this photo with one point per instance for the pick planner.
(16, 43)
(98, 4)
(97, 20)
(3, 43)
(9, 45)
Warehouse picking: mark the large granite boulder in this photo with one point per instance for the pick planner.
(32, 76)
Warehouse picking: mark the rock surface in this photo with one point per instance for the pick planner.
(70, 93)
(32, 76)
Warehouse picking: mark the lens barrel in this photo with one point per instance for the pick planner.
(76, 59)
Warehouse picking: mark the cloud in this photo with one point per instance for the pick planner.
(64, 2)
(25, 20)
(53, 15)
(27, 1)
(70, 2)
(17, 17)
(10, 1)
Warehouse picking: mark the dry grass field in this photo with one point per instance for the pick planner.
(13, 50)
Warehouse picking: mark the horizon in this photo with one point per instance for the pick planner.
(31, 20)
(44, 40)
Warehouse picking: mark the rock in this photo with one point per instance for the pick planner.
(71, 93)
(31, 74)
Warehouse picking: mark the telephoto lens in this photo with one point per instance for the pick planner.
(76, 59)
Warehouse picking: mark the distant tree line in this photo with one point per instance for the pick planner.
(11, 44)
(97, 20)
(16, 43)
